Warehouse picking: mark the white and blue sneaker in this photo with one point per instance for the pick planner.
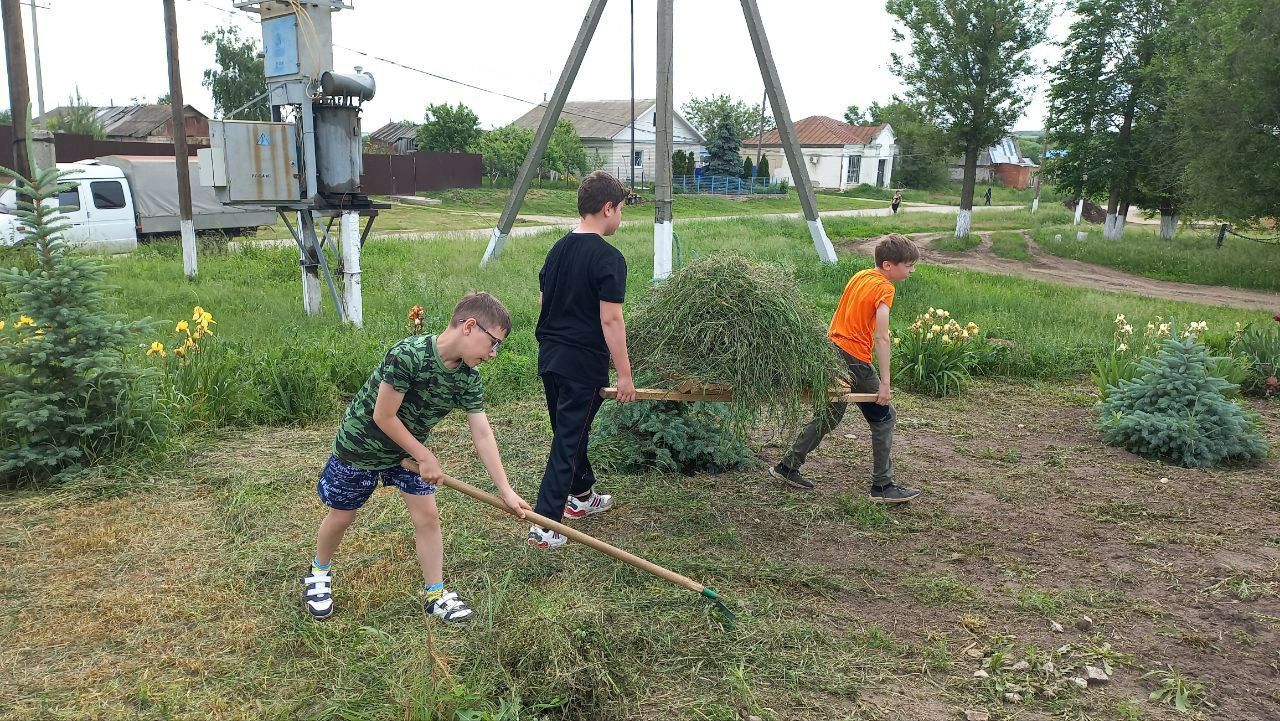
(449, 608)
(317, 596)
(591, 505)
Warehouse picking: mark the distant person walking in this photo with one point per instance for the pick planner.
(986, 197)
(897, 200)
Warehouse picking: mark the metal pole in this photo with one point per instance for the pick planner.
(188, 228)
(787, 131)
(15, 52)
(545, 128)
(35, 42)
(665, 145)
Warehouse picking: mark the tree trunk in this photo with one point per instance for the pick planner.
(1168, 223)
(964, 218)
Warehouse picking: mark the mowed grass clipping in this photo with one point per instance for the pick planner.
(725, 319)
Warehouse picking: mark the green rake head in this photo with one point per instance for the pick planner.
(725, 613)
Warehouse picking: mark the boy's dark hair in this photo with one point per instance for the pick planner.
(896, 248)
(597, 189)
(486, 309)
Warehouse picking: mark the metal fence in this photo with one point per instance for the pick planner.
(723, 185)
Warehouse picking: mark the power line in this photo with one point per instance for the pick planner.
(445, 78)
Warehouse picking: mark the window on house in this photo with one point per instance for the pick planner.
(855, 168)
(637, 158)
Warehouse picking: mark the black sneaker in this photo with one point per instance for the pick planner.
(317, 596)
(893, 493)
(791, 476)
(449, 608)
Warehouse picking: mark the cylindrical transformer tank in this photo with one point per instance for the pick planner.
(338, 161)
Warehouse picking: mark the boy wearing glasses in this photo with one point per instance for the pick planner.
(421, 379)
(581, 287)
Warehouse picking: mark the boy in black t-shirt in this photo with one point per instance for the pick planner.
(581, 284)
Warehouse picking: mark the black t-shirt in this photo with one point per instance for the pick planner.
(581, 270)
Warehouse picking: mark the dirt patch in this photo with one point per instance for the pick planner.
(1064, 271)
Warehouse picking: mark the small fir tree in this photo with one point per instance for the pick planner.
(724, 151)
(763, 170)
(748, 169)
(64, 387)
(1176, 411)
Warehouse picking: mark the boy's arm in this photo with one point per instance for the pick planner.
(615, 336)
(884, 352)
(384, 416)
(487, 448)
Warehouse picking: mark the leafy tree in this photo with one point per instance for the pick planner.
(6, 117)
(502, 150)
(748, 169)
(854, 115)
(1228, 103)
(64, 395)
(922, 148)
(706, 113)
(723, 148)
(448, 129)
(967, 62)
(1099, 88)
(77, 118)
(240, 76)
(565, 152)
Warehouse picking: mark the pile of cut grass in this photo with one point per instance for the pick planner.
(726, 320)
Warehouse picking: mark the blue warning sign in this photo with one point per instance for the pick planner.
(264, 139)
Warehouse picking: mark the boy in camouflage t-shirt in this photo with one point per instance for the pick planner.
(420, 381)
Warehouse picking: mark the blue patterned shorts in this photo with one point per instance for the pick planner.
(346, 488)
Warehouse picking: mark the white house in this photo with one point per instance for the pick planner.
(837, 154)
(605, 128)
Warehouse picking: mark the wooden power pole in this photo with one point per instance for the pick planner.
(186, 225)
(15, 52)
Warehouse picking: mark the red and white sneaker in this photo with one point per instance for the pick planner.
(545, 538)
(591, 505)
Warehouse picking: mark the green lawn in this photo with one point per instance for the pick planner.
(1191, 257)
(1010, 245)
(408, 218)
(562, 202)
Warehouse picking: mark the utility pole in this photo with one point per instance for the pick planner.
(760, 135)
(15, 52)
(35, 42)
(664, 145)
(631, 185)
(188, 229)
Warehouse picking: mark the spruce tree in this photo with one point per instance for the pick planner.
(1176, 411)
(763, 170)
(724, 151)
(64, 388)
(748, 169)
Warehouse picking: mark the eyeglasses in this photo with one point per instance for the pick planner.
(497, 344)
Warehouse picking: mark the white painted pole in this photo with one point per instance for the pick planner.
(349, 234)
(310, 266)
(1079, 210)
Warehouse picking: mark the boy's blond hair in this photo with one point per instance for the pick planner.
(896, 248)
(488, 310)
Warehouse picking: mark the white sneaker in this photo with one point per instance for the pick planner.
(317, 597)
(540, 537)
(449, 608)
(591, 505)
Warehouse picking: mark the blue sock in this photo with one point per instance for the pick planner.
(434, 590)
(316, 564)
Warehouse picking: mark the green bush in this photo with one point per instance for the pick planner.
(1177, 411)
(667, 436)
(1259, 348)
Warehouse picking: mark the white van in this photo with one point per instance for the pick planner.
(119, 199)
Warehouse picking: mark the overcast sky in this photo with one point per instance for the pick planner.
(830, 53)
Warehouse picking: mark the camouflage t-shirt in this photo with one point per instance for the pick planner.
(414, 367)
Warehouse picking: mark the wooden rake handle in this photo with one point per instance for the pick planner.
(720, 396)
(579, 536)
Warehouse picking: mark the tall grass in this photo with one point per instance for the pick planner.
(1010, 245)
(1191, 257)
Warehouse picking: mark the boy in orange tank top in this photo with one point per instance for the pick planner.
(860, 331)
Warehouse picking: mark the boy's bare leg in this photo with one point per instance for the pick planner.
(332, 529)
(426, 535)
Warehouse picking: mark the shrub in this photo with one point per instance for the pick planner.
(669, 437)
(66, 394)
(1176, 410)
(938, 355)
(1259, 348)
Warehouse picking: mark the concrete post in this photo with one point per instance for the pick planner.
(349, 235)
(665, 145)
